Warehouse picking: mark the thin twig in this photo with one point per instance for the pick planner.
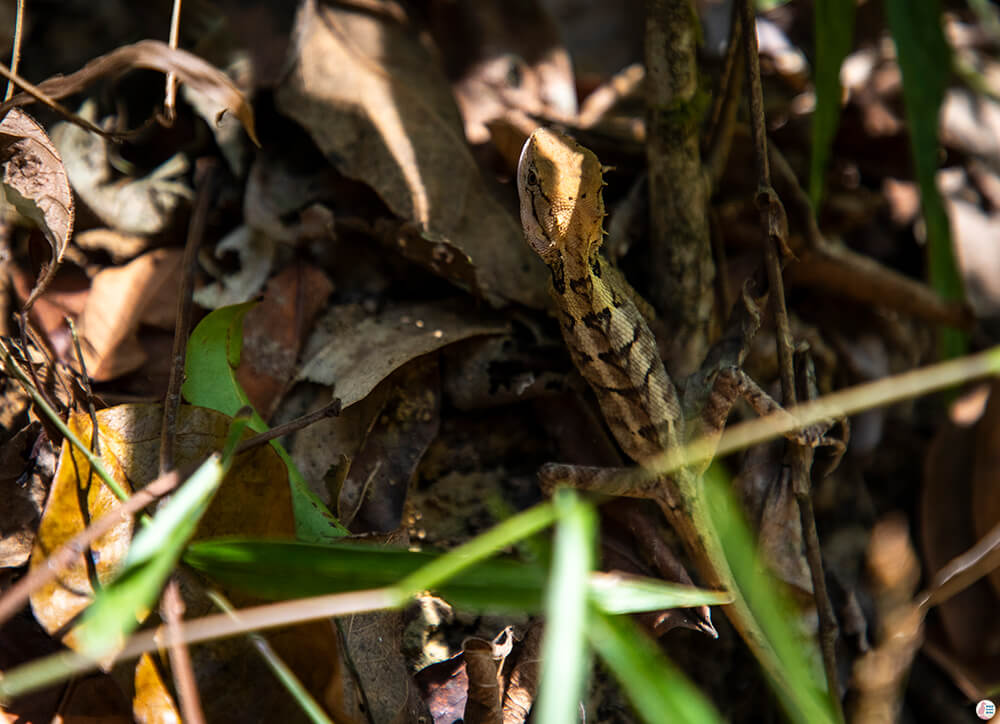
(722, 124)
(330, 410)
(172, 608)
(196, 231)
(170, 92)
(15, 53)
(95, 438)
(775, 228)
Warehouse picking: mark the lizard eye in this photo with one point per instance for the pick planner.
(532, 179)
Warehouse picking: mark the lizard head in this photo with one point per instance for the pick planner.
(559, 182)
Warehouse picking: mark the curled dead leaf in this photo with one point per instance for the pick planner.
(35, 183)
(191, 70)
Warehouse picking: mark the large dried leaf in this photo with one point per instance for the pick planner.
(211, 83)
(254, 497)
(355, 352)
(375, 103)
(35, 183)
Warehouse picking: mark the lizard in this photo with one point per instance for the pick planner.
(603, 323)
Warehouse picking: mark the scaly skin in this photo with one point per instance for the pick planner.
(562, 211)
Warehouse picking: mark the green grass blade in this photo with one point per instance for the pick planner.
(657, 690)
(834, 31)
(288, 569)
(925, 61)
(805, 699)
(118, 608)
(615, 594)
(565, 658)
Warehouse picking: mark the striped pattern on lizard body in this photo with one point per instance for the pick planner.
(559, 182)
(562, 211)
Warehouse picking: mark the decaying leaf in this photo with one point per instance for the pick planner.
(136, 206)
(370, 97)
(354, 351)
(35, 183)
(118, 302)
(191, 70)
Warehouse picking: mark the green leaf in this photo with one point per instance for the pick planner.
(805, 699)
(565, 659)
(213, 354)
(657, 690)
(834, 31)
(925, 61)
(118, 608)
(289, 569)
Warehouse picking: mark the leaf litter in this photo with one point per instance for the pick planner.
(396, 212)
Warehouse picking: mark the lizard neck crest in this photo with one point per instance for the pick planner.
(562, 209)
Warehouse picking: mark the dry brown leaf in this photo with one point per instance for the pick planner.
(56, 603)
(524, 675)
(191, 70)
(946, 531)
(136, 206)
(986, 479)
(770, 503)
(372, 496)
(152, 702)
(254, 497)
(118, 300)
(374, 641)
(326, 443)
(35, 183)
(355, 352)
(483, 663)
(273, 333)
(376, 104)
